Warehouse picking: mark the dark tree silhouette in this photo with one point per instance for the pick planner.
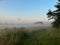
(55, 15)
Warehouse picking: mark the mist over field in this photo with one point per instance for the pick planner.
(29, 22)
(27, 25)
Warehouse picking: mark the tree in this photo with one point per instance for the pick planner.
(55, 15)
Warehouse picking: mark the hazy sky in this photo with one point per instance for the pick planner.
(25, 10)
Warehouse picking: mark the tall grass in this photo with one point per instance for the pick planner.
(23, 36)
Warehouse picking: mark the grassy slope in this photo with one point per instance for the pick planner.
(23, 36)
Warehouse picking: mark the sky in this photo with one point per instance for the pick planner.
(25, 10)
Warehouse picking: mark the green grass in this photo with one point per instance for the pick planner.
(23, 36)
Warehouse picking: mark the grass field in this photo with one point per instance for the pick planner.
(23, 36)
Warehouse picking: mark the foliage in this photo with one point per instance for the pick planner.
(55, 15)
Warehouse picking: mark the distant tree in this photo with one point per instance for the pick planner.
(55, 15)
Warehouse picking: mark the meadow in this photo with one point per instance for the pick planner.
(23, 36)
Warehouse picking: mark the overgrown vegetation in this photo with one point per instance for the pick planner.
(21, 36)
